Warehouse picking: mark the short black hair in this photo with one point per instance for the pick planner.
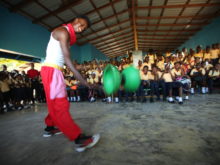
(85, 18)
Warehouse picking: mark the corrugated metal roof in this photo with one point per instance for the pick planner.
(116, 21)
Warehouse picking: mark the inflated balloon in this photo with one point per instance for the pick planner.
(131, 78)
(111, 79)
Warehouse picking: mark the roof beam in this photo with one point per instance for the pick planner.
(164, 35)
(181, 16)
(114, 46)
(113, 55)
(158, 43)
(122, 49)
(57, 11)
(186, 30)
(18, 6)
(179, 6)
(115, 40)
(100, 30)
(161, 39)
(149, 25)
(105, 35)
(169, 24)
(101, 17)
(48, 10)
(190, 23)
(26, 14)
(134, 24)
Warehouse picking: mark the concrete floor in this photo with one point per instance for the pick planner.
(131, 134)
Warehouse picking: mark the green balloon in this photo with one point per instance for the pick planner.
(111, 79)
(131, 78)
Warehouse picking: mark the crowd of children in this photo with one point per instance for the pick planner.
(174, 76)
(19, 90)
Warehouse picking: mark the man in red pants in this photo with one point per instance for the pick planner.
(58, 53)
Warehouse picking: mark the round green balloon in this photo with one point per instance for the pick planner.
(131, 78)
(111, 79)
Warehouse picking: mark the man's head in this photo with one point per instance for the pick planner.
(80, 23)
(139, 62)
(145, 69)
(32, 65)
(177, 65)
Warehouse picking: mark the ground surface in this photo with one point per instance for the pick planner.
(131, 134)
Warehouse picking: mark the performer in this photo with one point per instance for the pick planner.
(58, 53)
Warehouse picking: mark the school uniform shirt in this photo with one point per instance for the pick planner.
(152, 76)
(151, 58)
(169, 64)
(175, 72)
(146, 64)
(159, 74)
(214, 73)
(200, 55)
(93, 81)
(4, 85)
(196, 71)
(190, 62)
(160, 65)
(207, 56)
(89, 72)
(167, 77)
(98, 74)
(208, 66)
(168, 54)
(180, 59)
(145, 76)
(214, 53)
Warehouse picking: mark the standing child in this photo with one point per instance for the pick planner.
(58, 53)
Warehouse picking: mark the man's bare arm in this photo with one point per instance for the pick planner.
(63, 37)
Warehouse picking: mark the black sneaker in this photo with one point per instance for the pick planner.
(83, 142)
(50, 131)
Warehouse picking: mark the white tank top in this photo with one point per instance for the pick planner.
(54, 52)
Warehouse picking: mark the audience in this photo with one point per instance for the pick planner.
(172, 76)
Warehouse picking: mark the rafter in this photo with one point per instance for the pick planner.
(117, 48)
(164, 35)
(122, 49)
(115, 40)
(186, 30)
(18, 6)
(103, 29)
(179, 6)
(57, 11)
(161, 39)
(134, 24)
(26, 14)
(180, 17)
(171, 24)
(100, 17)
(106, 35)
(114, 46)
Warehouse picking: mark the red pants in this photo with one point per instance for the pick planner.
(58, 105)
